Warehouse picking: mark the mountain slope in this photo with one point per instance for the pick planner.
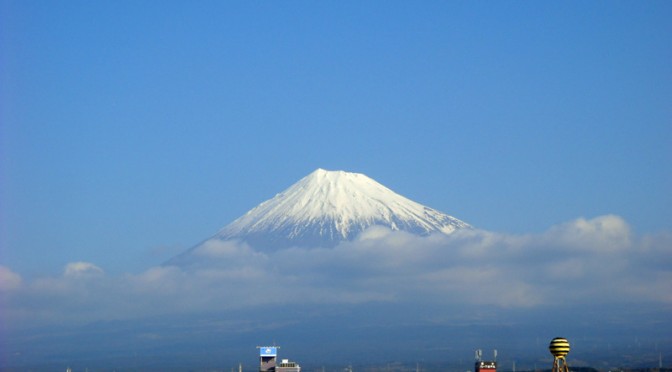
(328, 207)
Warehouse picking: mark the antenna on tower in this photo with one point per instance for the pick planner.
(495, 353)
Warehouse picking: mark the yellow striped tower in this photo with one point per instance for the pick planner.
(559, 347)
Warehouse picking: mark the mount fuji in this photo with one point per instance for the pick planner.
(329, 207)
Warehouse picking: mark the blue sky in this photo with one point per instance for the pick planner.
(131, 131)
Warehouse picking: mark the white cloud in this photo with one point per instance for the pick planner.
(604, 233)
(9, 280)
(81, 270)
(581, 262)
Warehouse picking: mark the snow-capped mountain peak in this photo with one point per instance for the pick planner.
(326, 208)
(330, 206)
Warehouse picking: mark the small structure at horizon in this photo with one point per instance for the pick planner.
(268, 361)
(483, 365)
(559, 347)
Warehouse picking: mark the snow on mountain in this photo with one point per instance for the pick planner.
(327, 207)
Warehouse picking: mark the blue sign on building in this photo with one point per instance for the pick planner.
(268, 351)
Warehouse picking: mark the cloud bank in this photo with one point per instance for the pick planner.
(595, 261)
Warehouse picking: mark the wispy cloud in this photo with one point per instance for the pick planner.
(9, 280)
(81, 269)
(585, 261)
